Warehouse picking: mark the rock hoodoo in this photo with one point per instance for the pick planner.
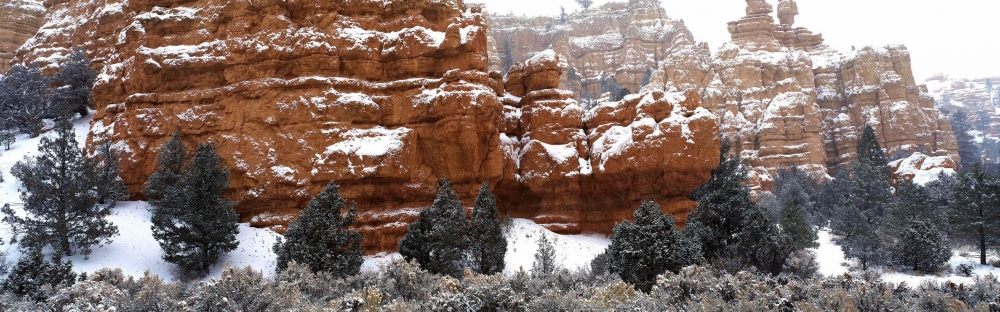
(786, 98)
(383, 97)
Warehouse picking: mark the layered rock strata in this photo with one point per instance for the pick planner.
(618, 41)
(19, 21)
(382, 97)
(785, 98)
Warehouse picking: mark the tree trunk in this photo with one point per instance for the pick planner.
(982, 249)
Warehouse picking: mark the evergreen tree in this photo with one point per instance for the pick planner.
(321, 238)
(437, 240)
(585, 3)
(73, 84)
(923, 247)
(163, 186)
(859, 215)
(562, 15)
(487, 243)
(32, 272)
(966, 145)
(203, 226)
(834, 194)
(793, 184)
(646, 77)
(545, 257)
(729, 225)
(506, 56)
(6, 139)
(649, 247)
(975, 214)
(861, 239)
(795, 226)
(110, 187)
(913, 202)
(60, 202)
(25, 98)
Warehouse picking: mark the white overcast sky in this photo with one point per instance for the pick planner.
(955, 37)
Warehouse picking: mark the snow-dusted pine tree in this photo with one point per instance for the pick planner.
(32, 272)
(110, 187)
(923, 247)
(438, 239)
(6, 139)
(545, 258)
(203, 226)
(729, 225)
(24, 98)
(794, 225)
(975, 214)
(648, 247)
(487, 245)
(321, 238)
(59, 191)
(163, 186)
(73, 82)
(967, 149)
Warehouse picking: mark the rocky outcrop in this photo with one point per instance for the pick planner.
(972, 96)
(785, 98)
(19, 20)
(920, 169)
(382, 97)
(618, 42)
(591, 165)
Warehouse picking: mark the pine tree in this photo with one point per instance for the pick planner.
(923, 247)
(859, 214)
(488, 247)
(585, 3)
(913, 202)
(437, 240)
(794, 224)
(6, 139)
(110, 187)
(163, 186)
(506, 56)
(967, 150)
(834, 194)
(975, 214)
(203, 226)
(321, 238)
(60, 201)
(562, 15)
(25, 98)
(32, 272)
(545, 258)
(74, 82)
(648, 247)
(861, 239)
(729, 225)
(793, 184)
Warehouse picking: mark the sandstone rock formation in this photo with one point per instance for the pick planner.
(785, 98)
(920, 169)
(383, 97)
(787, 10)
(618, 41)
(652, 146)
(19, 20)
(971, 96)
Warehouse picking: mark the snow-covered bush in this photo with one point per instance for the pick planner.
(243, 289)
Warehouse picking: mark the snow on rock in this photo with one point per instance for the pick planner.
(921, 169)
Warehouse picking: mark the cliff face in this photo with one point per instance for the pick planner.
(619, 41)
(19, 20)
(382, 97)
(785, 98)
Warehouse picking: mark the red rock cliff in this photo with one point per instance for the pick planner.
(383, 97)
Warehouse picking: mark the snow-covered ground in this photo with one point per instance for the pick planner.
(831, 262)
(572, 251)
